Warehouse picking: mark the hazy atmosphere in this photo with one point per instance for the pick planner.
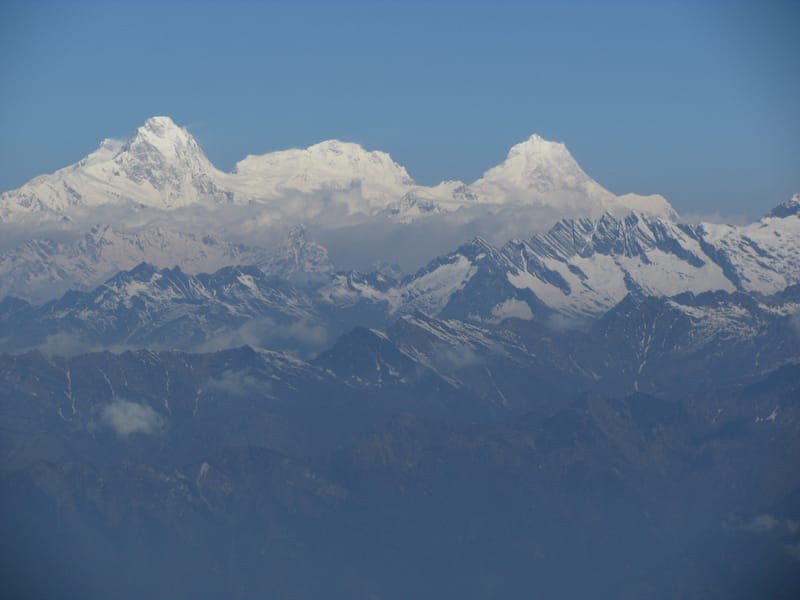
(381, 300)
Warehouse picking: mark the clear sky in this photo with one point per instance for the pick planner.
(699, 101)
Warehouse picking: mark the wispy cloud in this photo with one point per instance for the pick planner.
(66, 344)
(761, 524)
(455, 357)
(235, 383)
(794, 322)
(301, 337)
(715, 217)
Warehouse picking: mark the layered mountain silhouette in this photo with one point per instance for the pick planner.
(197, 401)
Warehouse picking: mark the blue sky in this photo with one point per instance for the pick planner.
(694, 100)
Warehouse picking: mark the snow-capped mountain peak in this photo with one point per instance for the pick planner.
(164, 136)
(330, 165)
(168, 158)
(162, 126)
(161, 166)
(538, 167)
(537, 154)
(761, 256)
(539, 172)
(788, 208)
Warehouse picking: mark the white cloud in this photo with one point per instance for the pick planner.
(512, 308)
(301, 337)
(715, 217)
(127, 418)
(66, 344)
(236, 383)
(761, 524)
(448, 357)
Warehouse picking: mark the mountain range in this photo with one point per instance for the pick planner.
(127, 203)
(161, 166)
(197, 399)
(578, 271)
